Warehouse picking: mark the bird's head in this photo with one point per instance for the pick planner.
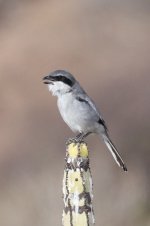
(59, 82)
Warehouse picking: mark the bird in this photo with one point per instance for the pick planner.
(79, 111)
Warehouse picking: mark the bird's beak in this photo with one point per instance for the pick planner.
(48, 80)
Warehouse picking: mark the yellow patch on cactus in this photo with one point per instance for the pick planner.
(83, 150)
(66, 219)
(77, 219)
(73, 150)
(80, 219)
(75, 183)
(77, 149)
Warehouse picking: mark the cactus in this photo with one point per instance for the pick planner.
(77, 187)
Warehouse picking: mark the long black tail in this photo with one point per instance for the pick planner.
(114, 152)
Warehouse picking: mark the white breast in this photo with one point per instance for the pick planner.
(77, 115)
(66, 105)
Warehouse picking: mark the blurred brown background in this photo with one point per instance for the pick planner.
(106, 45)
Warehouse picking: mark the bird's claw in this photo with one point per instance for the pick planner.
(74, 140)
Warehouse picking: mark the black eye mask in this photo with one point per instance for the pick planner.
(62, 79)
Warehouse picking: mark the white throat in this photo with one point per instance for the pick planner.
(58, 88)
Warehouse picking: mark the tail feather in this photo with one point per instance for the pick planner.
(114, 152)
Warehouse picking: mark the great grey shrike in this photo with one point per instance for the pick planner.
(78, 110)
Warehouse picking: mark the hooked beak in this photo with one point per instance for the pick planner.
(48, 80)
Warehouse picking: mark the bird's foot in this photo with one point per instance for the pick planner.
(73, 140)
(77, 139)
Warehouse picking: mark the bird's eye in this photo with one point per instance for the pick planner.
(64, 80)
(60, 78)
